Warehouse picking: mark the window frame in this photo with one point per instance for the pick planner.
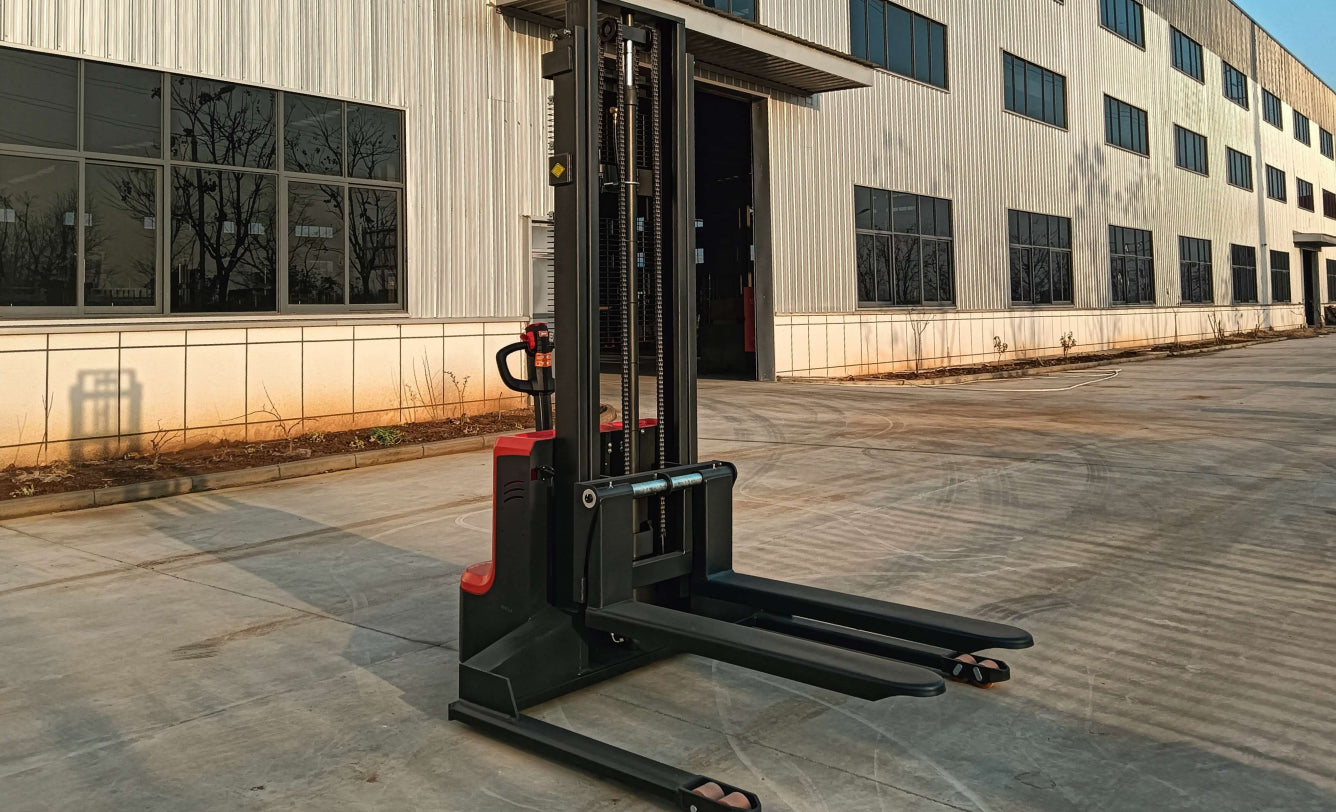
(755, 15)
(1326, 143)
(1231, 163)
(1271, 100)
(1286, 273)
(914, 17)
(1108, 5)
(1051, 250)
(1299, 197)
(1273, 174)
(1178, 42)
(1303, 129)
(1235, 267)
(890, 235)
(1331, 281)
(1133, 110)
(1329, 204)
(164, 165)
(1183, 137)
(1045, 73)
(1196, 267)
(1149, 256)
(1227, 74)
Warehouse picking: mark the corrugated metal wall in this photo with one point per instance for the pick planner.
(963, 145)
(468, 79)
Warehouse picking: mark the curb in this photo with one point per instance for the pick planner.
(1034, 371)
(140, 491)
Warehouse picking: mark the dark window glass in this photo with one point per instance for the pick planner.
(1271, 110)
(1125, 126)
(1302, 132)
(1240, 171)
(1236, 86)
(373, 241)
(1034, 92)
(1187, 55)
(1243, 265)
(223, 246)
(121, 236)
(122, 110)
(1196, 271)
(738, 8)
(40, 98)
(1276, 184)
(1325, 143)
(316, 250)
(907, 257)
(38, 243)
(1304, 191)
(858, 28)
(1331, 280)
(1133, 265)
(1041, 258)
(222, 123)
(1280, 276)
(899, 40)
(1329, 204)
(375, 148)
(312, 135)
(1124, 18)
(1190, 151)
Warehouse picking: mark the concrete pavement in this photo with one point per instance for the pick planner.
(1166, 534)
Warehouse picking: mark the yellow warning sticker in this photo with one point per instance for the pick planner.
(558, 170)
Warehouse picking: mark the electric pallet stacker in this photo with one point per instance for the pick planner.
(612, 544)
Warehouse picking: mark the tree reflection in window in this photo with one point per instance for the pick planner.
(221, 123)
(373, 237)
(223, 247)
(38, 242)
(316, 268)
(121, 236)
(374, 143)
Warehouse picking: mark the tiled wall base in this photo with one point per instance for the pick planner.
(872, 342)
(86, 395)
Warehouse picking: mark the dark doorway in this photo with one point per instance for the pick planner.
(1312, 305)
(725, 253)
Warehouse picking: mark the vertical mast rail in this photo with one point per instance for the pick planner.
(629, 204)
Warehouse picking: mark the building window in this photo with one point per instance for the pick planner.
(1329, 204)
(1124, 18)
(899, 40)
(1133, 268)
(1324, 140)
(1035, 92)
(1187, 55)
(1236, 85)
(1280, 276)
(1239, 168)
(1331, 280)
(905, 253)
(248, 200)
(1271, 110)
(1041, 258)
(1196, 276)
(1304, 191)
(1302, 133)
(1276, 184)
(1125, 126)
(1190, 151)
(1243, 265)
(745, 9)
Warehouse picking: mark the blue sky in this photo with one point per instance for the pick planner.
(1303, 26)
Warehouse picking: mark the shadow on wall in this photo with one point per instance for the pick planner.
(101, 401)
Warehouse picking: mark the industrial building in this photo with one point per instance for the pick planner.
(218, 218)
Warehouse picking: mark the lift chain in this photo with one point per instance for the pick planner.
(656, 215)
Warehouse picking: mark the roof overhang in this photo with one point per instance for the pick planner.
(1314, 241)
(734, 47)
